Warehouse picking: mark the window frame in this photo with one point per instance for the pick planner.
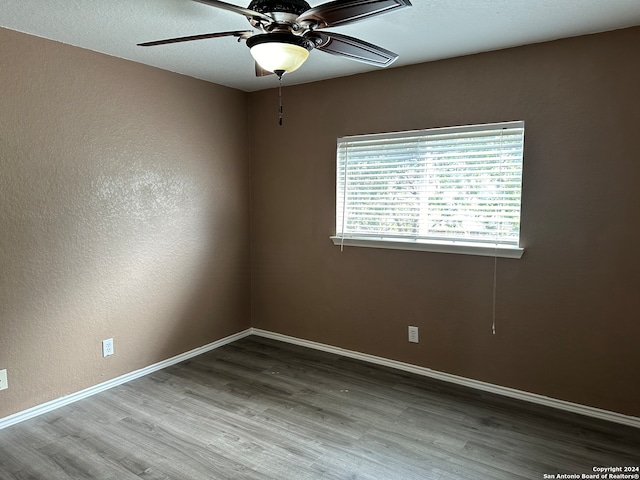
(431, 244)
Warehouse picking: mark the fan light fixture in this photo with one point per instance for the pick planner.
(288, 31)
(279, 52)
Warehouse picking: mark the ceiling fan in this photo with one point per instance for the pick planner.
(289, 29)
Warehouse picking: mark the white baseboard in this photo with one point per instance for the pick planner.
(101, 387)
(467, 382)
(427, 372)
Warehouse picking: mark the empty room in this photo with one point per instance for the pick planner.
(356, 239)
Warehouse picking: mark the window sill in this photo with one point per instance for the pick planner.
(462, 248)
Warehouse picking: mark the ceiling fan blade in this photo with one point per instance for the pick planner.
(341, 12)
(238, 33)
(352, 48)
(251, 14)
(261, 72)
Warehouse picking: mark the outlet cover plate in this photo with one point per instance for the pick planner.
(3, 379)
(413, 334)
(107, 347)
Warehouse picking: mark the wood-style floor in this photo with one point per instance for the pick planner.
(261, 409)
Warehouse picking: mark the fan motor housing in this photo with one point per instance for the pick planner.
(295, 7)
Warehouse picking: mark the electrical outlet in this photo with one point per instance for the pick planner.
(413, 334)
(3, 379)
(107, 347)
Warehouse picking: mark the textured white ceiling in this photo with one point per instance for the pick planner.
(430, 30)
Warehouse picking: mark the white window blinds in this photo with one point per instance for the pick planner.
(439, 185)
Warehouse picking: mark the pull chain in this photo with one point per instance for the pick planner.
(280, 102)
(279, 73)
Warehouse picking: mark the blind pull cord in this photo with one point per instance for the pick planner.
(344, 195)
(495, 255)
(495, 277)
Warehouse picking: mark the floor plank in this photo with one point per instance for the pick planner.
(259, 409)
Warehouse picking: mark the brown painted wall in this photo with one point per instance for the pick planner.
(124, 213)
(567, 314)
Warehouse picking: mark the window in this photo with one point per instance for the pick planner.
(455, 190)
